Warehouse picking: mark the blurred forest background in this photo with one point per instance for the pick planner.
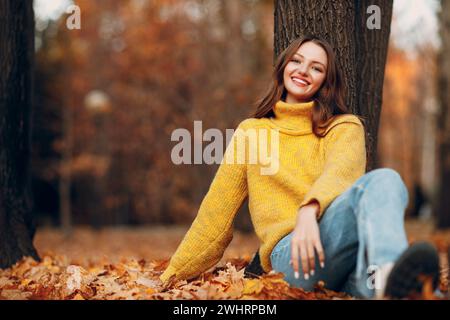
(108, 96)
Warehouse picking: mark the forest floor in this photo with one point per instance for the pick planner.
(125, 263)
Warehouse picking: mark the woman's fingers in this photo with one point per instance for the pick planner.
(294, 257)
(304, 258)
(311, 257)
(320, 253)
(303, 249)
(296, 247)
(306, 250)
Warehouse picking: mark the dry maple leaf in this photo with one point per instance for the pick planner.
(253, 286)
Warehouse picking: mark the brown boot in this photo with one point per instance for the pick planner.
(418, 262)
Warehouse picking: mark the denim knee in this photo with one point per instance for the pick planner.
(389, 180)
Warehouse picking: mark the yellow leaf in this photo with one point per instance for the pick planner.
(253, 286)
(47, 261)
(78, 297)
(96, 270)
(25, 282)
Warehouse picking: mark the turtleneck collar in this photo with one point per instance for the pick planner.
(293, 116)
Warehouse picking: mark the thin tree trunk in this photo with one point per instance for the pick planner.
(16, 65)
(443, 199)
(361, 52)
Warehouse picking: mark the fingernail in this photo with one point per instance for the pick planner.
(306, 276)
(312, 272)
(296, 275)
(322, 265)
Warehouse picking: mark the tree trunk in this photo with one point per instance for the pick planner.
(16, 63)
(361, 52)
(443, 200)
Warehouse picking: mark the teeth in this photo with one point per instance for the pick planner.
(300, 81)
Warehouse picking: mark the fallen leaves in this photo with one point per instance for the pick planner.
(75, 274)
(55, 278)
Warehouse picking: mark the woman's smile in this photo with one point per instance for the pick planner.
(300, 81)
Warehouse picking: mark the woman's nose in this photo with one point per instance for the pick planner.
(302, 69)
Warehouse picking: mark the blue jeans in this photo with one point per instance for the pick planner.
(361, 229)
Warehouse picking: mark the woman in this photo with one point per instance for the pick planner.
(319, 217)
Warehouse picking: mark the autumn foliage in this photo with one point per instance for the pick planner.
(110, 95)
(108, 265)
(55, 278)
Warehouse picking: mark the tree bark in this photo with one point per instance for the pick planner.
(443, 200)
(16, 65)
(361, 52)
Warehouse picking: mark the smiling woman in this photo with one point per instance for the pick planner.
(320, 203)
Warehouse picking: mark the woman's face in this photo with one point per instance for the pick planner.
(305, 72)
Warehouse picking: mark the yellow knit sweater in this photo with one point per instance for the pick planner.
(310, 168)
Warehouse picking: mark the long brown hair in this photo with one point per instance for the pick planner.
(329, 100)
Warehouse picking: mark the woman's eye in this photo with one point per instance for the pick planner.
(296, 61)
(317, 69)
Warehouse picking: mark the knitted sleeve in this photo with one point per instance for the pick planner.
(212, 230)
(345, 162)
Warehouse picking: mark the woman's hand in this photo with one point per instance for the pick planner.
(306, 238)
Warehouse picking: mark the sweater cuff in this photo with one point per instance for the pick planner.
(312, 199)
(170, 270)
